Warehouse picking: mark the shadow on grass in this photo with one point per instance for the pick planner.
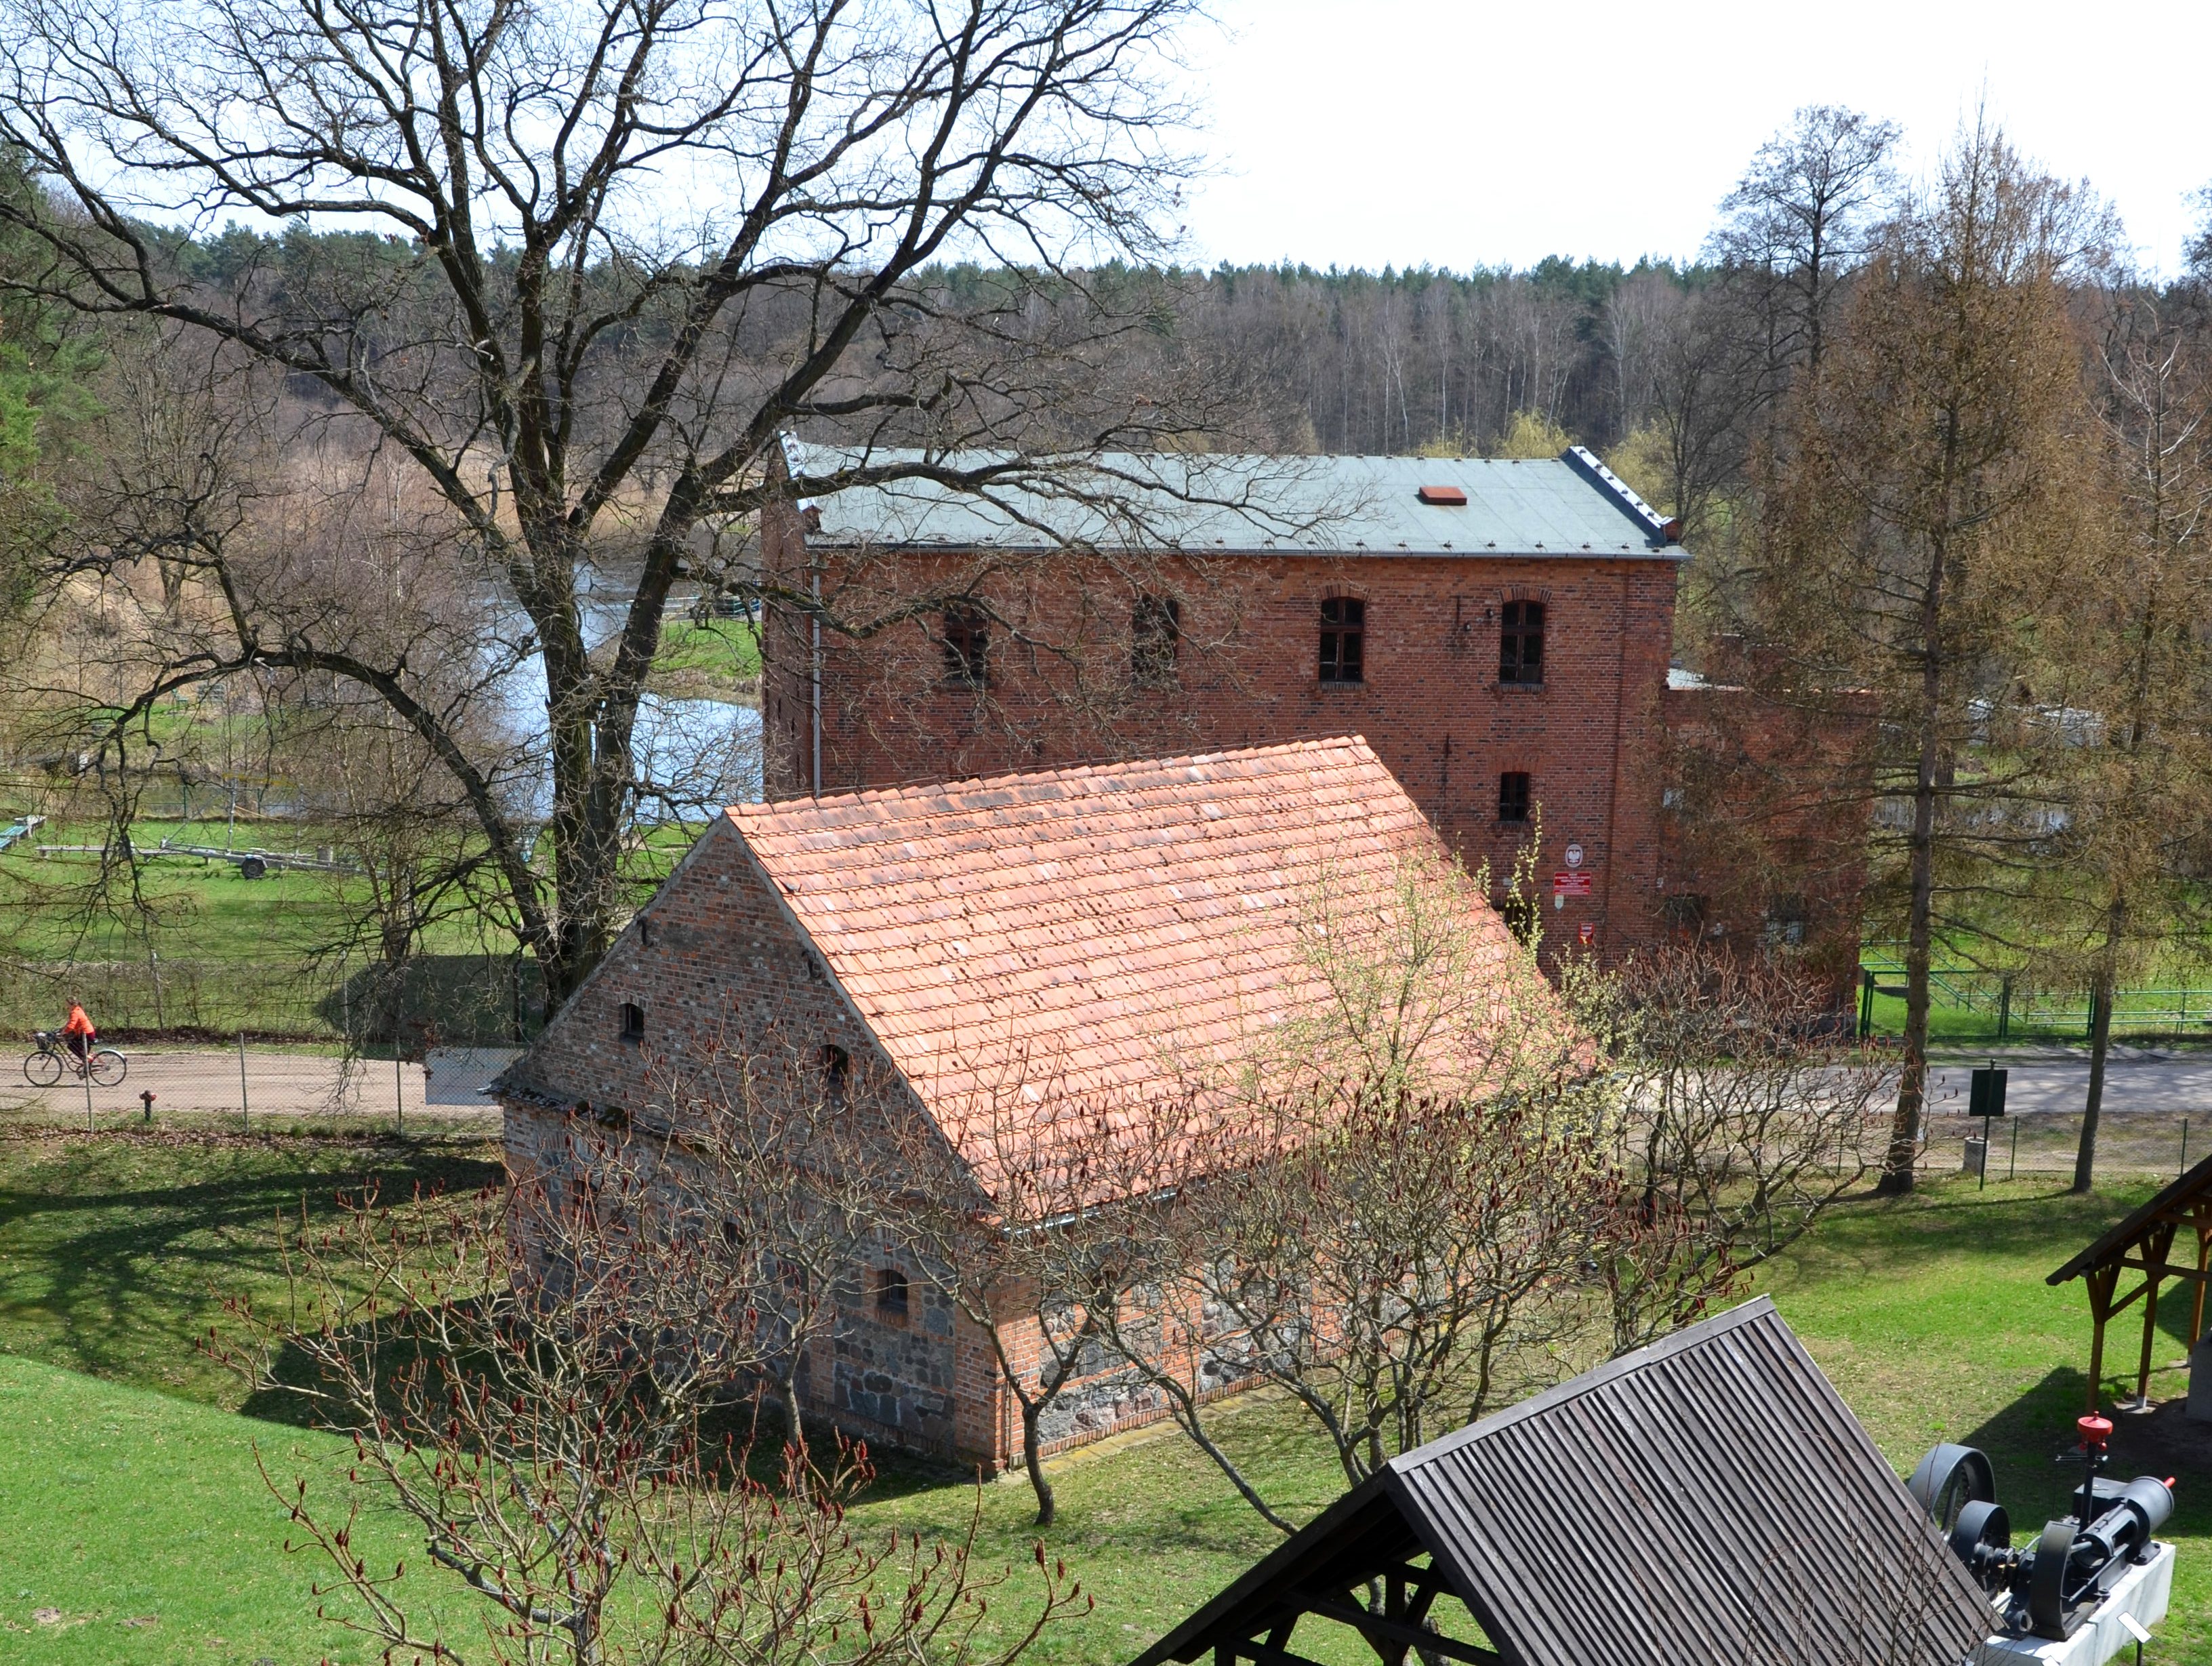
(116, 1252)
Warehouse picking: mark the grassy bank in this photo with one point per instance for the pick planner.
(1929, 1313)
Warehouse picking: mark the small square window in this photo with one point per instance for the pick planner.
(633, 1022)
(1343, 640)
(967, 646)
(1513, 796)
(890, 1295)
(1684, 913)
(1155, 640)
(1521, 642)
(1785, 923)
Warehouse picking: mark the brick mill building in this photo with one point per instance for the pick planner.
(1058, 936)
(1499, 631)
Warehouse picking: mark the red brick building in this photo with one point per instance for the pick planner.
(1050, 938)
(1498, 631)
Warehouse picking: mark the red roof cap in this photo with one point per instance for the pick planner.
(1445, 496)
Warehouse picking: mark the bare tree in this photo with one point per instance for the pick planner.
(1026, 1227)
(584, 378)
(1742, 1116)
(1926, 513)
(2124, 703)
(541, 1384)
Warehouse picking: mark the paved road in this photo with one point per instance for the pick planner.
(207, 1080)
(2140, 1080)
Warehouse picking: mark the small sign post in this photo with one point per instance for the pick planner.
(1986, 1098)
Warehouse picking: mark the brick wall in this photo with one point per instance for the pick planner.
(1062, 690)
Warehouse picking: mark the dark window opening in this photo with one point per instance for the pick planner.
(1785, 922)
(1521, 642)
(1520, 914)
(1684, 912)
(837, 1072)
(967, 647)
(730, 1236)
(890, 1294)
(633, 1021)
(1343, 631)
(1155, 638)
(1513, 796)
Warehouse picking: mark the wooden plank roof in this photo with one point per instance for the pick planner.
(1707, 1498)
(2177, 1202)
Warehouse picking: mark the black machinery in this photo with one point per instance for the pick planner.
(2074, 1562)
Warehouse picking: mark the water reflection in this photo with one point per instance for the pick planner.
(693, 755)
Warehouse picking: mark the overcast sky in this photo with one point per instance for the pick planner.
(1367, 132)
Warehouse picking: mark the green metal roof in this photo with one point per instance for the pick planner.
(1569, 506)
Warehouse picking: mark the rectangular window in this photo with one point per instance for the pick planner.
(633, 1021)
(1521, 642)
(1343, 631)
(890, 1295)
(1684, 913)
(1155, 639)
(1513, 796)
(1785, 923)
(836, 1073)
(967, 647)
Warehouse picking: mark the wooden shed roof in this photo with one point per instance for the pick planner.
(2180, 1201)
(1708, 1499)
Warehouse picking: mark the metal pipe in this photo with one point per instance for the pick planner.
(814, 582)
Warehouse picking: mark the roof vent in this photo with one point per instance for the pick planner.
(1584, 462)
(1443, 497)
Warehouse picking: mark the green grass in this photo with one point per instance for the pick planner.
(1929, 1313)
(717, 659)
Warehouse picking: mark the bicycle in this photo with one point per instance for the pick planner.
(104, 1065)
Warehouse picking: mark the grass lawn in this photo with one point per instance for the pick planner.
(716, 660)
(1931, 1314)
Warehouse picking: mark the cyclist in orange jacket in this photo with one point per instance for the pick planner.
(78, 1033)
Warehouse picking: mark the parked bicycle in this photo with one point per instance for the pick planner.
(53, 1059)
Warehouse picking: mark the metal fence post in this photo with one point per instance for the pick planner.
(90, 1126)
(2013, 1167)
(2185, 1144)
(2004, 1008)
(244, 1106)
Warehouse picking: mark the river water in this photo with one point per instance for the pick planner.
(693, 755)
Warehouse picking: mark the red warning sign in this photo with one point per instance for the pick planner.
(1588, 933)
(1571, 882)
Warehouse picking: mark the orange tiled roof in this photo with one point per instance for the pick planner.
(1086, 924)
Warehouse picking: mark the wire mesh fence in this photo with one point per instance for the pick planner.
(1968, 1004)
(245, 1086)
(2147, 1144)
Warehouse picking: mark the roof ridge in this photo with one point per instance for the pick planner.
(754, 814)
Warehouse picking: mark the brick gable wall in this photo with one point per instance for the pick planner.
(715, 963)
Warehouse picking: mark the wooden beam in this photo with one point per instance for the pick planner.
(1262, 1655)
(1373, 1626)
(2203, 1257)
(2164, 1238)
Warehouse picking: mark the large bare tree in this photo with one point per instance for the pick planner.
(610, 250)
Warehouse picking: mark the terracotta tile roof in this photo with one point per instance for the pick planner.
(1086, 925)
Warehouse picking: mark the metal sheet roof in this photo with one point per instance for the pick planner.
(1568, 506)
(1710, 1498)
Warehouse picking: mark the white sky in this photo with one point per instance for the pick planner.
(1367, 132)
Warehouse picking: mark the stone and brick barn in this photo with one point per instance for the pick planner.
(1110, 919)
(1500, 632)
